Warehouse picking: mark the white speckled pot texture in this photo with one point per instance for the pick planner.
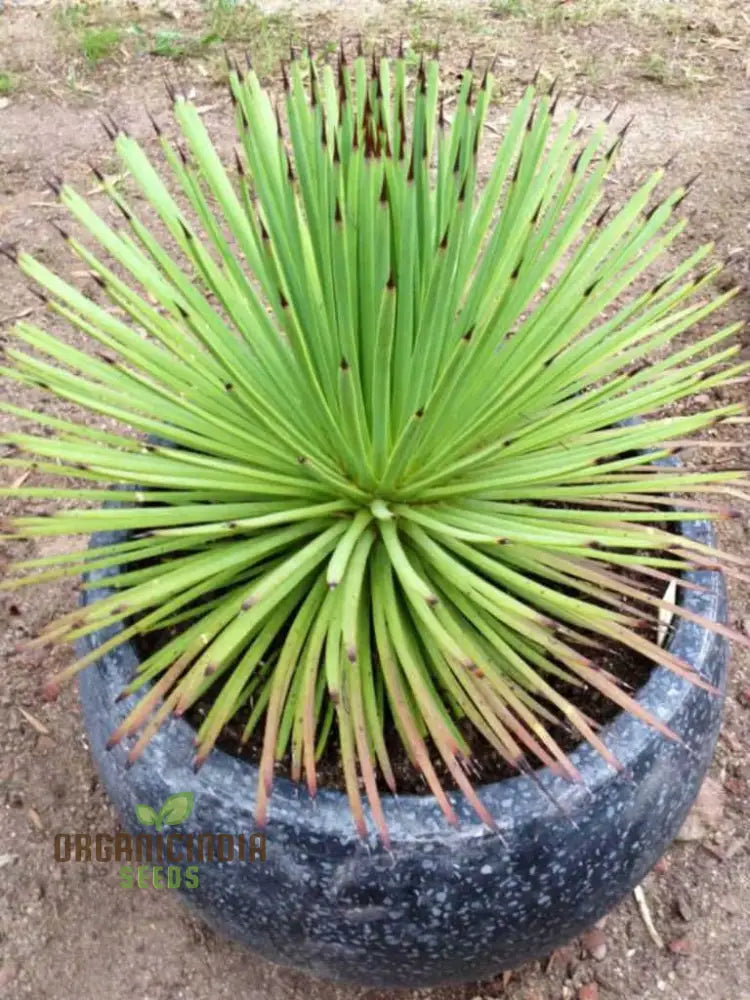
(442, 905)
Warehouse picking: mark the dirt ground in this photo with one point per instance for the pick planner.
(682, 69)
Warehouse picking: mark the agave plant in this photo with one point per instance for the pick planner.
(388, 484)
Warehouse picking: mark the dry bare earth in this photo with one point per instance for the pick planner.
(681, 69)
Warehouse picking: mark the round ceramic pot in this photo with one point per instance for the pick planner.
(443, 905)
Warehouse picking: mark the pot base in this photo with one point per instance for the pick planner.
(443, 905)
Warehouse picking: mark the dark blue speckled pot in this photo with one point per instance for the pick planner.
(442, 905)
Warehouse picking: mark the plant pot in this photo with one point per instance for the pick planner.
(443, 905)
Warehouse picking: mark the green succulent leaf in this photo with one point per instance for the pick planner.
(389, 433)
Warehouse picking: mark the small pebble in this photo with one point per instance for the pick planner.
(681, 946)
(683, 907)
(595, 943)
(589, 992)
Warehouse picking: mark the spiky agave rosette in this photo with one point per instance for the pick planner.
(376, 378)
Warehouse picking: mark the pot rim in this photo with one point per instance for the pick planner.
(417, 819)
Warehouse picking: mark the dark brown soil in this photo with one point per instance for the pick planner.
(486, 765)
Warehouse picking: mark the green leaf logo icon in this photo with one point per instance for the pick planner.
(146, 815)
(176, 809)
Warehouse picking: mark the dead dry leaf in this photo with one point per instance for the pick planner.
(725, 43)
(648, 920)
(33, 721)
(683, 907)
(20, 480)
(35, 818)
(14, 316)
